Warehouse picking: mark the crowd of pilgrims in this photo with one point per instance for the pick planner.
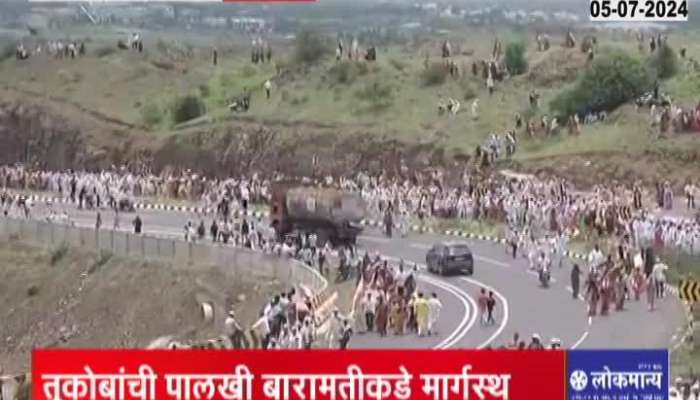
(532, 208)
(541, 216)
(387, 302)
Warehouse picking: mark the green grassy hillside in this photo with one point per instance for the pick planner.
(389, 97)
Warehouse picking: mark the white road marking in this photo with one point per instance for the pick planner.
(376, 239)
(580, 340)
(588, 308)
(492, 261)
(461, 331)
(504, 301)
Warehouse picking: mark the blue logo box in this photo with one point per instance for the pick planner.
(617, 374)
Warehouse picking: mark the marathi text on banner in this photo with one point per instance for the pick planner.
(349, 375)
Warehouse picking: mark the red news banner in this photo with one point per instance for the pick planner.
(298, 375)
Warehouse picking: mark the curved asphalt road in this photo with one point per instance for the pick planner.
(522, 305)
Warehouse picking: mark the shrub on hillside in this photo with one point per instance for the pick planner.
(469, 93)
(281, 65)
(297, 101)
(363, 68)
(342, 72)
(105, 51)
(379, 95)
(226, 79)
(151, 115)
(204, 90)
(175, 49)
(434, 75)
(248, 71)
(515, 58)
(164, 65)
(58, 253)
(186, 108)
(398, 64)
(665, 62)
(612, 80)
(161, 45)
(375, 91)
(468, 87)
(101, 260)
(32, 291)
(7, 51)
(69, 77)
(345, 72)
(310, 47)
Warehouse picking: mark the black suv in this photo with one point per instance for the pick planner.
(449, 257)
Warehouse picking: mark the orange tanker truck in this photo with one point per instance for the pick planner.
(333, 215)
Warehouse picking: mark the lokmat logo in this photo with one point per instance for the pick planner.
(618, 375)
(578, 380)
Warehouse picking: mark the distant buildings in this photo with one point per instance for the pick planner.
(493, 14)
(426, 6)
(534, 16)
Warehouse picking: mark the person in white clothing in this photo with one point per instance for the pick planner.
(268, 87)
(434, 307)
(295, 339)
(595, 258)
(658, 273)
(262, 327)
(370, 305)
(532, 255)
(335, 323)
(307, 333)
(189, 231)
(695, 391)
(234, 332)
(690, 190)
(558, 250)
(284, 339)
